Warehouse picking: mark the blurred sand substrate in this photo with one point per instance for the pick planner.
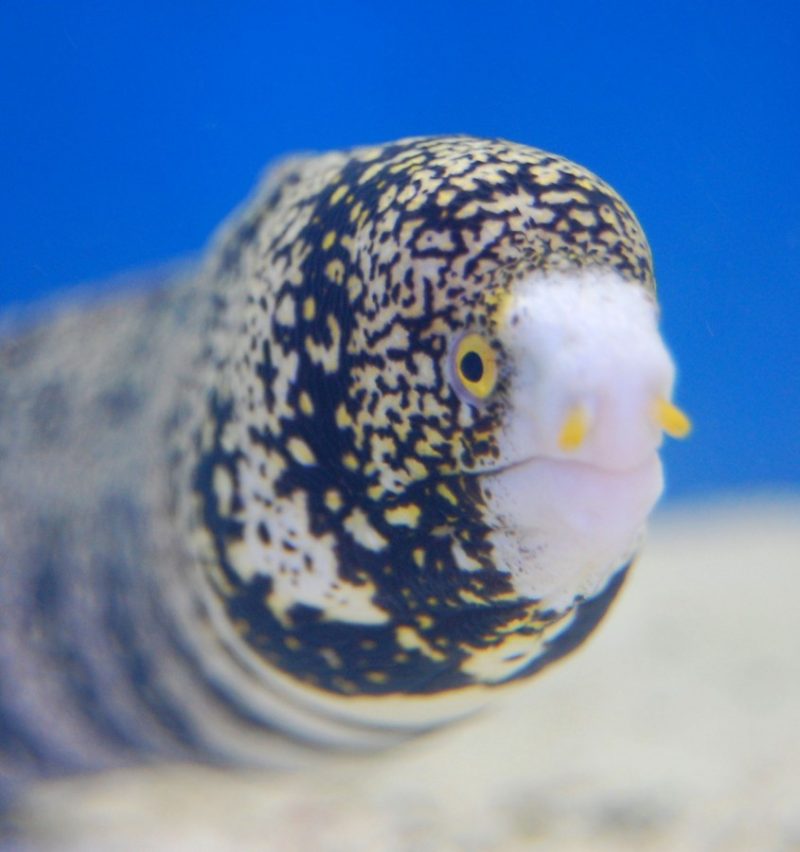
(676, 727)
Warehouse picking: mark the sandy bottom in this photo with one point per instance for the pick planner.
(676, 727)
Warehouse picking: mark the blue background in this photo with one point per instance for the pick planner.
(129, 130)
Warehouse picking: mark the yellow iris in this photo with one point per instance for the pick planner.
(475, 366)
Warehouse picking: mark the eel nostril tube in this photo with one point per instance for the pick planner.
(575, 428)
(671, 419)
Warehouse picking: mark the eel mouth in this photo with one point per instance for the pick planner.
(577, 465)
(539, 474)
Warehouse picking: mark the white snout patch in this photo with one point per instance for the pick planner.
(568, 513)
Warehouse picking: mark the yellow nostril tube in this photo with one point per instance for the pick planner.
(671, 419)
(575, 429)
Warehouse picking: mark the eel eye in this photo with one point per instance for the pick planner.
(474, 367)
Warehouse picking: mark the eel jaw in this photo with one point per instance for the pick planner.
(562, 528)
(589, 404)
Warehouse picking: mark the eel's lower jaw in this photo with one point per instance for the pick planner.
(565, 526)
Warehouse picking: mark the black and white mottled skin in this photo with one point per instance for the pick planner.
(257, 511)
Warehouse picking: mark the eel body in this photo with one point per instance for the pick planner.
(389, 449)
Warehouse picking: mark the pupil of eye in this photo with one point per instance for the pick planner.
(472, 367)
